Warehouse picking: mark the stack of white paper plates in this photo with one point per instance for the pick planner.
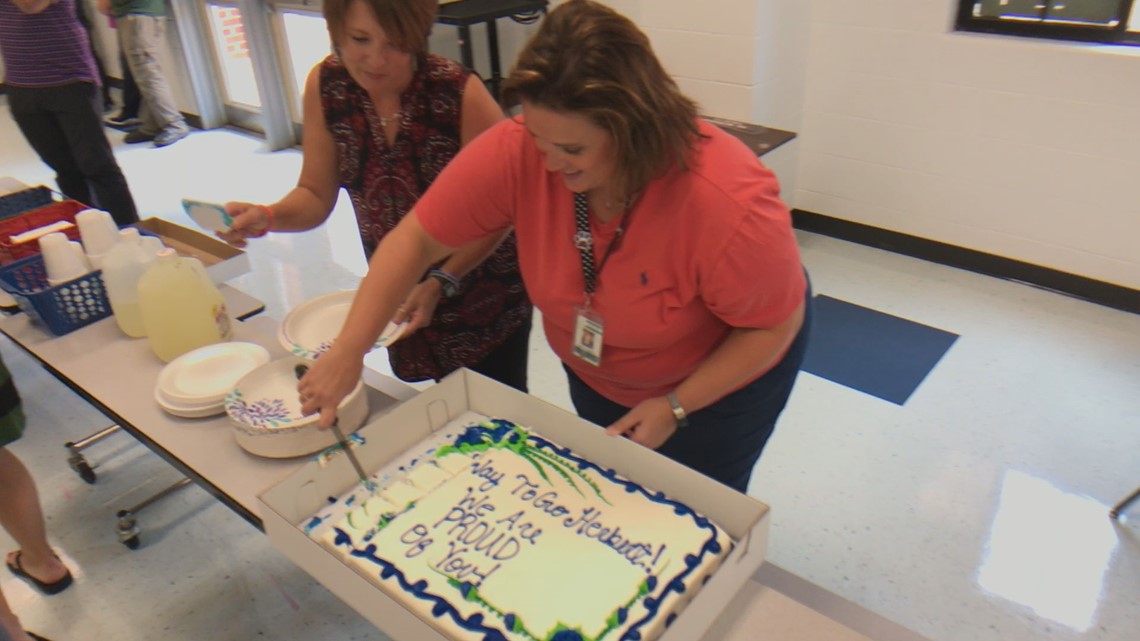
(195, 384)
(311, 327)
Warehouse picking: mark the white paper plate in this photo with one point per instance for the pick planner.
(188, 411)
(311, 327)
(205, 375)
(211, 216)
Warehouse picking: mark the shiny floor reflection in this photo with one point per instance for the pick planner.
(1048, 550)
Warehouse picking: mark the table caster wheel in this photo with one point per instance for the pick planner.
(82, 468)
(127, 529)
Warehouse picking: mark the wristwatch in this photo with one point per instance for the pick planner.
(678, 410)
(448, 283)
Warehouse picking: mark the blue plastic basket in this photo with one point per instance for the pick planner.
(62, 308)
(21, 201)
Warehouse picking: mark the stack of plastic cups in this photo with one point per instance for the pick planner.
(99, 234)
(63, 258)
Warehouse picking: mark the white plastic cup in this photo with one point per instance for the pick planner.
(63, 259)
(97, 230)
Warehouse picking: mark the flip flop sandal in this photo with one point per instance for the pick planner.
(55, 587)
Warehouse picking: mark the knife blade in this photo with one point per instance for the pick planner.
(300, 371)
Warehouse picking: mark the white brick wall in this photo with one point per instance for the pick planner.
(1021, 148)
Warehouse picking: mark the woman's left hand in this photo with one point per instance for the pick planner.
(419, 306)
(650, 423)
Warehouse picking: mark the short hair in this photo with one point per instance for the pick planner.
(590, 60)
(407, 23)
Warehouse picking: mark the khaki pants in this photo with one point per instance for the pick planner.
(140, 37)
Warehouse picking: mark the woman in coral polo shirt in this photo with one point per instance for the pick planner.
(655, 245)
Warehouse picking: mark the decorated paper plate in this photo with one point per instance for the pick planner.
(310, 328)
(266, 413)
(205, 375)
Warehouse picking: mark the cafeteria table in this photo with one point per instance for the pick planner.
(117, 375)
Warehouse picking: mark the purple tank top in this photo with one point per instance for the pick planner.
(45, 49)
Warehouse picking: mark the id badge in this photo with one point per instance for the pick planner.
(588, 330)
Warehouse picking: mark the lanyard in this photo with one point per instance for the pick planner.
(584, 241)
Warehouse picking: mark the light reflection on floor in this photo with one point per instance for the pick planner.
(1048, 550)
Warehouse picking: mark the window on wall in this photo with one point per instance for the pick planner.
(307, 43)
(232, 51)
(1104, 21)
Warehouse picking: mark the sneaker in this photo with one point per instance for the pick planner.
(121, 121)
(137, 136)
(170, 134)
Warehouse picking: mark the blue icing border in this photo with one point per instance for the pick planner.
(475, 623)
(680, 509)
(440, 607)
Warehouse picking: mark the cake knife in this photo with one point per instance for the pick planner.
(300, 370)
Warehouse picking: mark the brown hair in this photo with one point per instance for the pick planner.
(406, 22)
(590, 60)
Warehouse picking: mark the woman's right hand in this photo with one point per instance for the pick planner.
(249, 221)
(330, 378)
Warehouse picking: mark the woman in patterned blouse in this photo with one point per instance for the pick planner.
(382, 118)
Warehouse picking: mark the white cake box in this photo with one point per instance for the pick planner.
(286, 506)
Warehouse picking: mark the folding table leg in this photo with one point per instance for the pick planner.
(127, 526)
(75, 448)
(1123, 505)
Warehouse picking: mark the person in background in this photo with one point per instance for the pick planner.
(128, 117)
(140, 25)
(81, 13)
(53, 93)
(382, 119)
(655, 245)
(22, 517)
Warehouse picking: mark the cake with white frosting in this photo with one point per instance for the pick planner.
(500, 534)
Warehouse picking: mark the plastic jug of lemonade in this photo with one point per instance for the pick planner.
(181, 308)
(123, 265)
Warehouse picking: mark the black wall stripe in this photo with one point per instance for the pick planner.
(1094, 291)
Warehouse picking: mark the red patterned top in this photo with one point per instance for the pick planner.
(384, 183)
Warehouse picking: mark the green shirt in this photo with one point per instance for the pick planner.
(145, 7)
(11, 412)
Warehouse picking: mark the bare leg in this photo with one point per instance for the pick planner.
(9, 623)
(21, 516)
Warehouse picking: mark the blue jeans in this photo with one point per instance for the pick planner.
(724, 440)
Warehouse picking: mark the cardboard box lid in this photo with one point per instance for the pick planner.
(188, 242)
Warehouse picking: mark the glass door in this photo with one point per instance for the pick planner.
(233, 60)
(304, 41)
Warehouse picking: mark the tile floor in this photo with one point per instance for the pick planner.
(974, 512)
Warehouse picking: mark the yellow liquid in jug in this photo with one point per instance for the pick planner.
(129, 317)
(181, 308)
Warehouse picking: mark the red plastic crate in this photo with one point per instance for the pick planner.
(29, 220)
